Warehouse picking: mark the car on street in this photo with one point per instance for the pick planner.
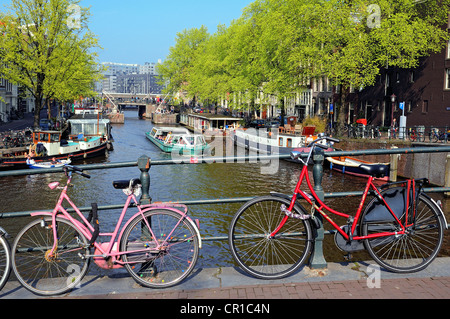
(257, 123)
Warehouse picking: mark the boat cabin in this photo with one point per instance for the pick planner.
(46, 137)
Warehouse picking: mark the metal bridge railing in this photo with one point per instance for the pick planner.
(144, 164)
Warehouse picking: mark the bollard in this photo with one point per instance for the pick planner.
(447, 175)
(394, 167)
(317, 260)
(144, 164)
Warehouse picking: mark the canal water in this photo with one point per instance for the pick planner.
(174, 183)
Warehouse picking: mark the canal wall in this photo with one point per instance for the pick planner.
(434, 166)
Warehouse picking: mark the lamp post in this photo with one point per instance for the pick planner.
(393, 99)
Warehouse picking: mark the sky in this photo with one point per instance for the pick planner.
(139, 31)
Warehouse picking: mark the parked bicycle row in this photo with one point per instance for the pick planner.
(270, 237)
(414, 134)
(11, 139)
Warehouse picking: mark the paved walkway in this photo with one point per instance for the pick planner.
(339, 281)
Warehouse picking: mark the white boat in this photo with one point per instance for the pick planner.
(271, 141)
(178, 140)
(52, 164)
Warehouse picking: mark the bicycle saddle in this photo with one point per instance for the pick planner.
(126, 183)
(375, 170)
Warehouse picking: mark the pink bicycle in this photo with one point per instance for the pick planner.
(158, 246)
(401, 227)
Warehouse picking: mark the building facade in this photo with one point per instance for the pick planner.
(129, 78)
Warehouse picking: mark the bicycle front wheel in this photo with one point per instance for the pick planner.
(42, 272)
(5, 261)
(162, 260)
(260, 255)
(410, 252)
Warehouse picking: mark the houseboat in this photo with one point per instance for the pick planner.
(177, 140)
(88, 138)
(272, 141)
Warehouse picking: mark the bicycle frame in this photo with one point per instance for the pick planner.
(87, 229)
(320, 206)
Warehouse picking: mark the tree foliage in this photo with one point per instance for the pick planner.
(277, 46)
(46, 46)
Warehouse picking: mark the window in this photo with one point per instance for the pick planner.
(448, 49)
(447, 79)
(289, 142)
(425, 106)
(280, 141)
(411, 76)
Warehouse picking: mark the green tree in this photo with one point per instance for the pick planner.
(175, 71)
(47, 47)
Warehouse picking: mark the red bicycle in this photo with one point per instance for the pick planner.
(401, 227)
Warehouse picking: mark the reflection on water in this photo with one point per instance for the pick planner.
(172, 183)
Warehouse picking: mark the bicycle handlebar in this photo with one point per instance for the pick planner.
(77, 170)
(296, 155)
(316, 142)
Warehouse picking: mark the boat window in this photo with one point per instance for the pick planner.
(280, 141)
(199, 140)
(289, 142)
(176, 140)
(54, 137)
(189, 139)
(42, 137)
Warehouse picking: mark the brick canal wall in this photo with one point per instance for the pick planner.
(434, 166)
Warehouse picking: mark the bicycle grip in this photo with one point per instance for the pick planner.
(332, 139)
(82, 174)
(325, 147)
(85, 175)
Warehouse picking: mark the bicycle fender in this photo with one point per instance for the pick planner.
(439, 207)
(166, 208)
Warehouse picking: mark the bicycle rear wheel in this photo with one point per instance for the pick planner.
(45, 274)
(5, 261)
(410, 252)
(258, 254)
(155, 266)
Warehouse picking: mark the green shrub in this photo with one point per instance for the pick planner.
(318, 122)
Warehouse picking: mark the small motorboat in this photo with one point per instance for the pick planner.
(32, 164)
(351, 166)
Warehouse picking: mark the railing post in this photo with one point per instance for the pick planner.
(447, 175)
(144, 164)
(317, 260)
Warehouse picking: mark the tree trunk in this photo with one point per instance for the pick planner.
(283, 112)
(342, 111)
(37, 111)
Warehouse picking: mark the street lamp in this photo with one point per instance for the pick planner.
(393, 99)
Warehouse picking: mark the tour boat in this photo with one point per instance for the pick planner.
(177, 140)
(351, 166)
